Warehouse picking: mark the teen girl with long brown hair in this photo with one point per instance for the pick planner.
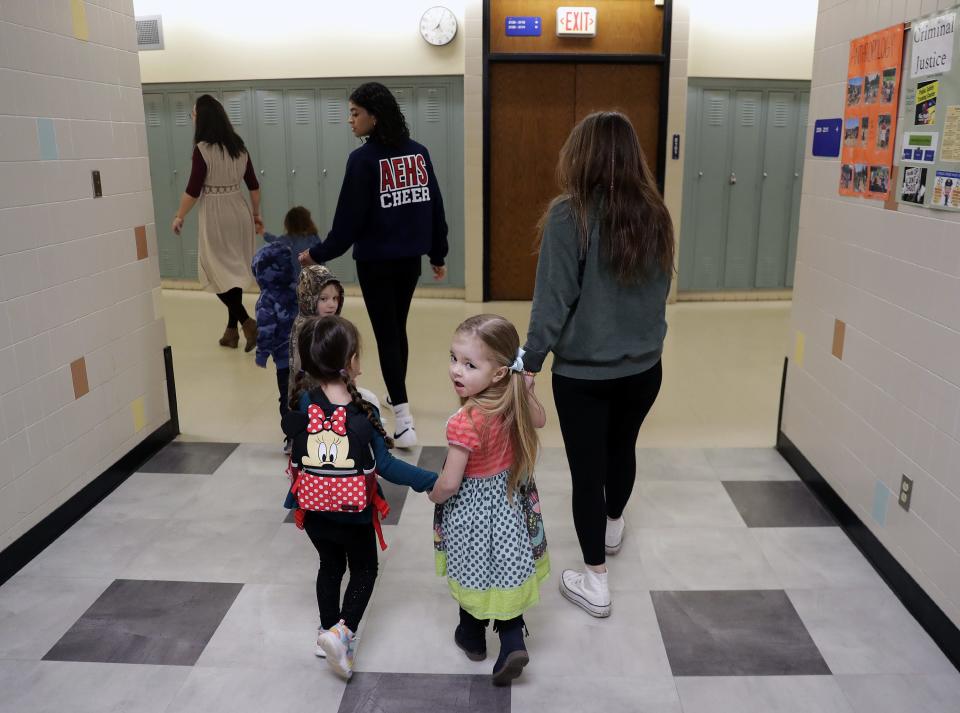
(603, 276)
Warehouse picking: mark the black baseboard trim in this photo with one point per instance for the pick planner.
(19, 553)
(941, 629)
(40, 536)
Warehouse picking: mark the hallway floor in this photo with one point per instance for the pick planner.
(722, 368)
(188, 589)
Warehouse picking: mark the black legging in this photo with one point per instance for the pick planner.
(600, 421)
(338, 545)
(388, 287)
(236, 313)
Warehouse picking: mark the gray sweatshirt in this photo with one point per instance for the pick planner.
(613, 331)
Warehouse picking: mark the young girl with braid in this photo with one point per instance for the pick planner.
(339, 445)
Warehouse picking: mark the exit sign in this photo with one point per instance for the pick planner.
(576, 22)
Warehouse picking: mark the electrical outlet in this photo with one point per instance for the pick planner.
(906, 492)
(97, 188)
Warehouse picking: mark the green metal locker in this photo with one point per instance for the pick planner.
(165, 196)
(271, 163)
(740, 249)
(802, 124)
(776, 205)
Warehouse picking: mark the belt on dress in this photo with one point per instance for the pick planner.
(219, 190)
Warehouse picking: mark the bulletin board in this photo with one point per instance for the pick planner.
(928, 149)
(870, 116)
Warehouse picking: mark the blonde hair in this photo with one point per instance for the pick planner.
(505, 400)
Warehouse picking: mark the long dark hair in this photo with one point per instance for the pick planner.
(390, 128)
(326, 346)
(213, 126)
(602, 166)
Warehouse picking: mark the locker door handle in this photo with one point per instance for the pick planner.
(700, 174)
(796, 175)
(733, 179)
(293, 172)
(262, 172)
(764, 174)
(324, 172)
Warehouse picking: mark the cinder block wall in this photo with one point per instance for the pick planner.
(81, 338)
(873, 390)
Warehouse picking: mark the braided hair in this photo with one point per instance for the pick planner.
(326, 346)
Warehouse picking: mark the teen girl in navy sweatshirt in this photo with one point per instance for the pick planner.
(391, 211)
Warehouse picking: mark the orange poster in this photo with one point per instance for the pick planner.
(870, 113)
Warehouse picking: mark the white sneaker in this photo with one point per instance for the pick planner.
(338, 644)
(613, 540)
(319, 652)
(588, 590)
(404, 432)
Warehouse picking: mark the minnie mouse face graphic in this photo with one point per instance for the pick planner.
(327, 442)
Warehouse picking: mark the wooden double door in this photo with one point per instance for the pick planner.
(533, 107)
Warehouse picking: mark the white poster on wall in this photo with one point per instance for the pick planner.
(933, 45)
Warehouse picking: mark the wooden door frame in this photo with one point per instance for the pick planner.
(662, 59)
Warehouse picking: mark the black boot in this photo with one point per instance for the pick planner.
(513, 654)
(471, 636)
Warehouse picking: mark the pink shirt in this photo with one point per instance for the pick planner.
(487, 442)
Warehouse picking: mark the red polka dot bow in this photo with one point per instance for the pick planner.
(319, 422)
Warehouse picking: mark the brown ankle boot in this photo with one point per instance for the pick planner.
(230, 338)
(250, 334)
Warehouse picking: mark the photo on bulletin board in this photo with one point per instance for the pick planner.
(870, 117)
(914, 188)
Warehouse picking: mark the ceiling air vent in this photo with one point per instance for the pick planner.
(149, 33)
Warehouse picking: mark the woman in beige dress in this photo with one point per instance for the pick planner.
(227, 226)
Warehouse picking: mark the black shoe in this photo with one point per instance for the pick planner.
(475, 647)
(513, 654)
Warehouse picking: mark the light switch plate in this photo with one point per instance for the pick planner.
(906, 492)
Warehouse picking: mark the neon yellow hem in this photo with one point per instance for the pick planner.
(496, 603)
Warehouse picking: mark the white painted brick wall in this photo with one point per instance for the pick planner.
(891, 406)
(71, 285)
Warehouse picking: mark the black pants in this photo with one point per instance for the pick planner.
(236, 313)
(283, 377)
(600, 421)
(388, 287)
(339, 545)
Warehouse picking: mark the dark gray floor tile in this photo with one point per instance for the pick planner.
(289, 517)
(777, 504)
(432, 458)
(441, 693)
(147, 622)
(189, 457)
(735, 633)
(396, 496)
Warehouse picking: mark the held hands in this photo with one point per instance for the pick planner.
(439, 272)
(177, 224)
(258, 225)
(305, 258)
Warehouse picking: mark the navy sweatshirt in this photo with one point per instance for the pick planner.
(390, 207)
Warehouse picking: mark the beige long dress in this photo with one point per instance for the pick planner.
(225, 238)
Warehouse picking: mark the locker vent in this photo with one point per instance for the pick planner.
(403, 99)
(235, 110)
(153, 114)
(717, 111)
(334, 111)
(433, 107)
(301, 110)
(181, 113)
(149, 32)
(271, 111)
(748, 112)
(781, 113)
